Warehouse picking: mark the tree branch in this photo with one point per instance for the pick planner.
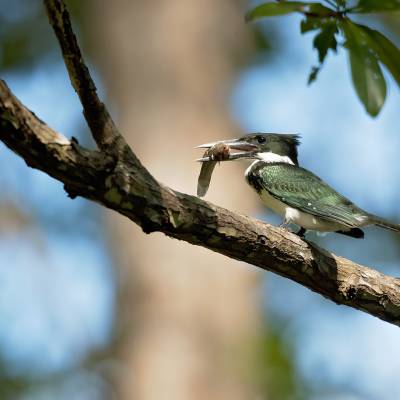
(156, 207)
(124, 185)
(99, 120)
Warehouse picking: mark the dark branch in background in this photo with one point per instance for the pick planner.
(118, 181)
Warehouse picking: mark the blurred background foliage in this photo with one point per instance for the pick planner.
(50, 356)
(27, 38)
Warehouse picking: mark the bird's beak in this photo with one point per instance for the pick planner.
(245, 149)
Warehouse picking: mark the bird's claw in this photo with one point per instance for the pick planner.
(301, 232)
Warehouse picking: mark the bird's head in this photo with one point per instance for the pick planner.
(261, 146)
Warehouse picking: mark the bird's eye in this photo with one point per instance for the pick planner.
(261, 139)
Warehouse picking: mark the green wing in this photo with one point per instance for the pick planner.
(301, 189)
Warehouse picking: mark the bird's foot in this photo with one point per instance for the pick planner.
(284, 225)
(301, 232)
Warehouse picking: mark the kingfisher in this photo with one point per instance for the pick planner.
(298, 195)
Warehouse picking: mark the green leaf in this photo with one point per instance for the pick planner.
(366, 73)
(273, 9)
(319, 10)
(313, 75)
(287, 7)
(310, 24)
(325, 40)
(386, 51)
(373, 6)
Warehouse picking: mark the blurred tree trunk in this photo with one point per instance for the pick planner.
(187, 317)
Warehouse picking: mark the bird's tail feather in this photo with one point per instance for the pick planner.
(384, 223)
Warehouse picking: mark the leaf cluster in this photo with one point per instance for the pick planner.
(368, 49)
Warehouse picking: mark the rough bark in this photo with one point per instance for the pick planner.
(101, 124)
(117, 180)
(155, 207)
